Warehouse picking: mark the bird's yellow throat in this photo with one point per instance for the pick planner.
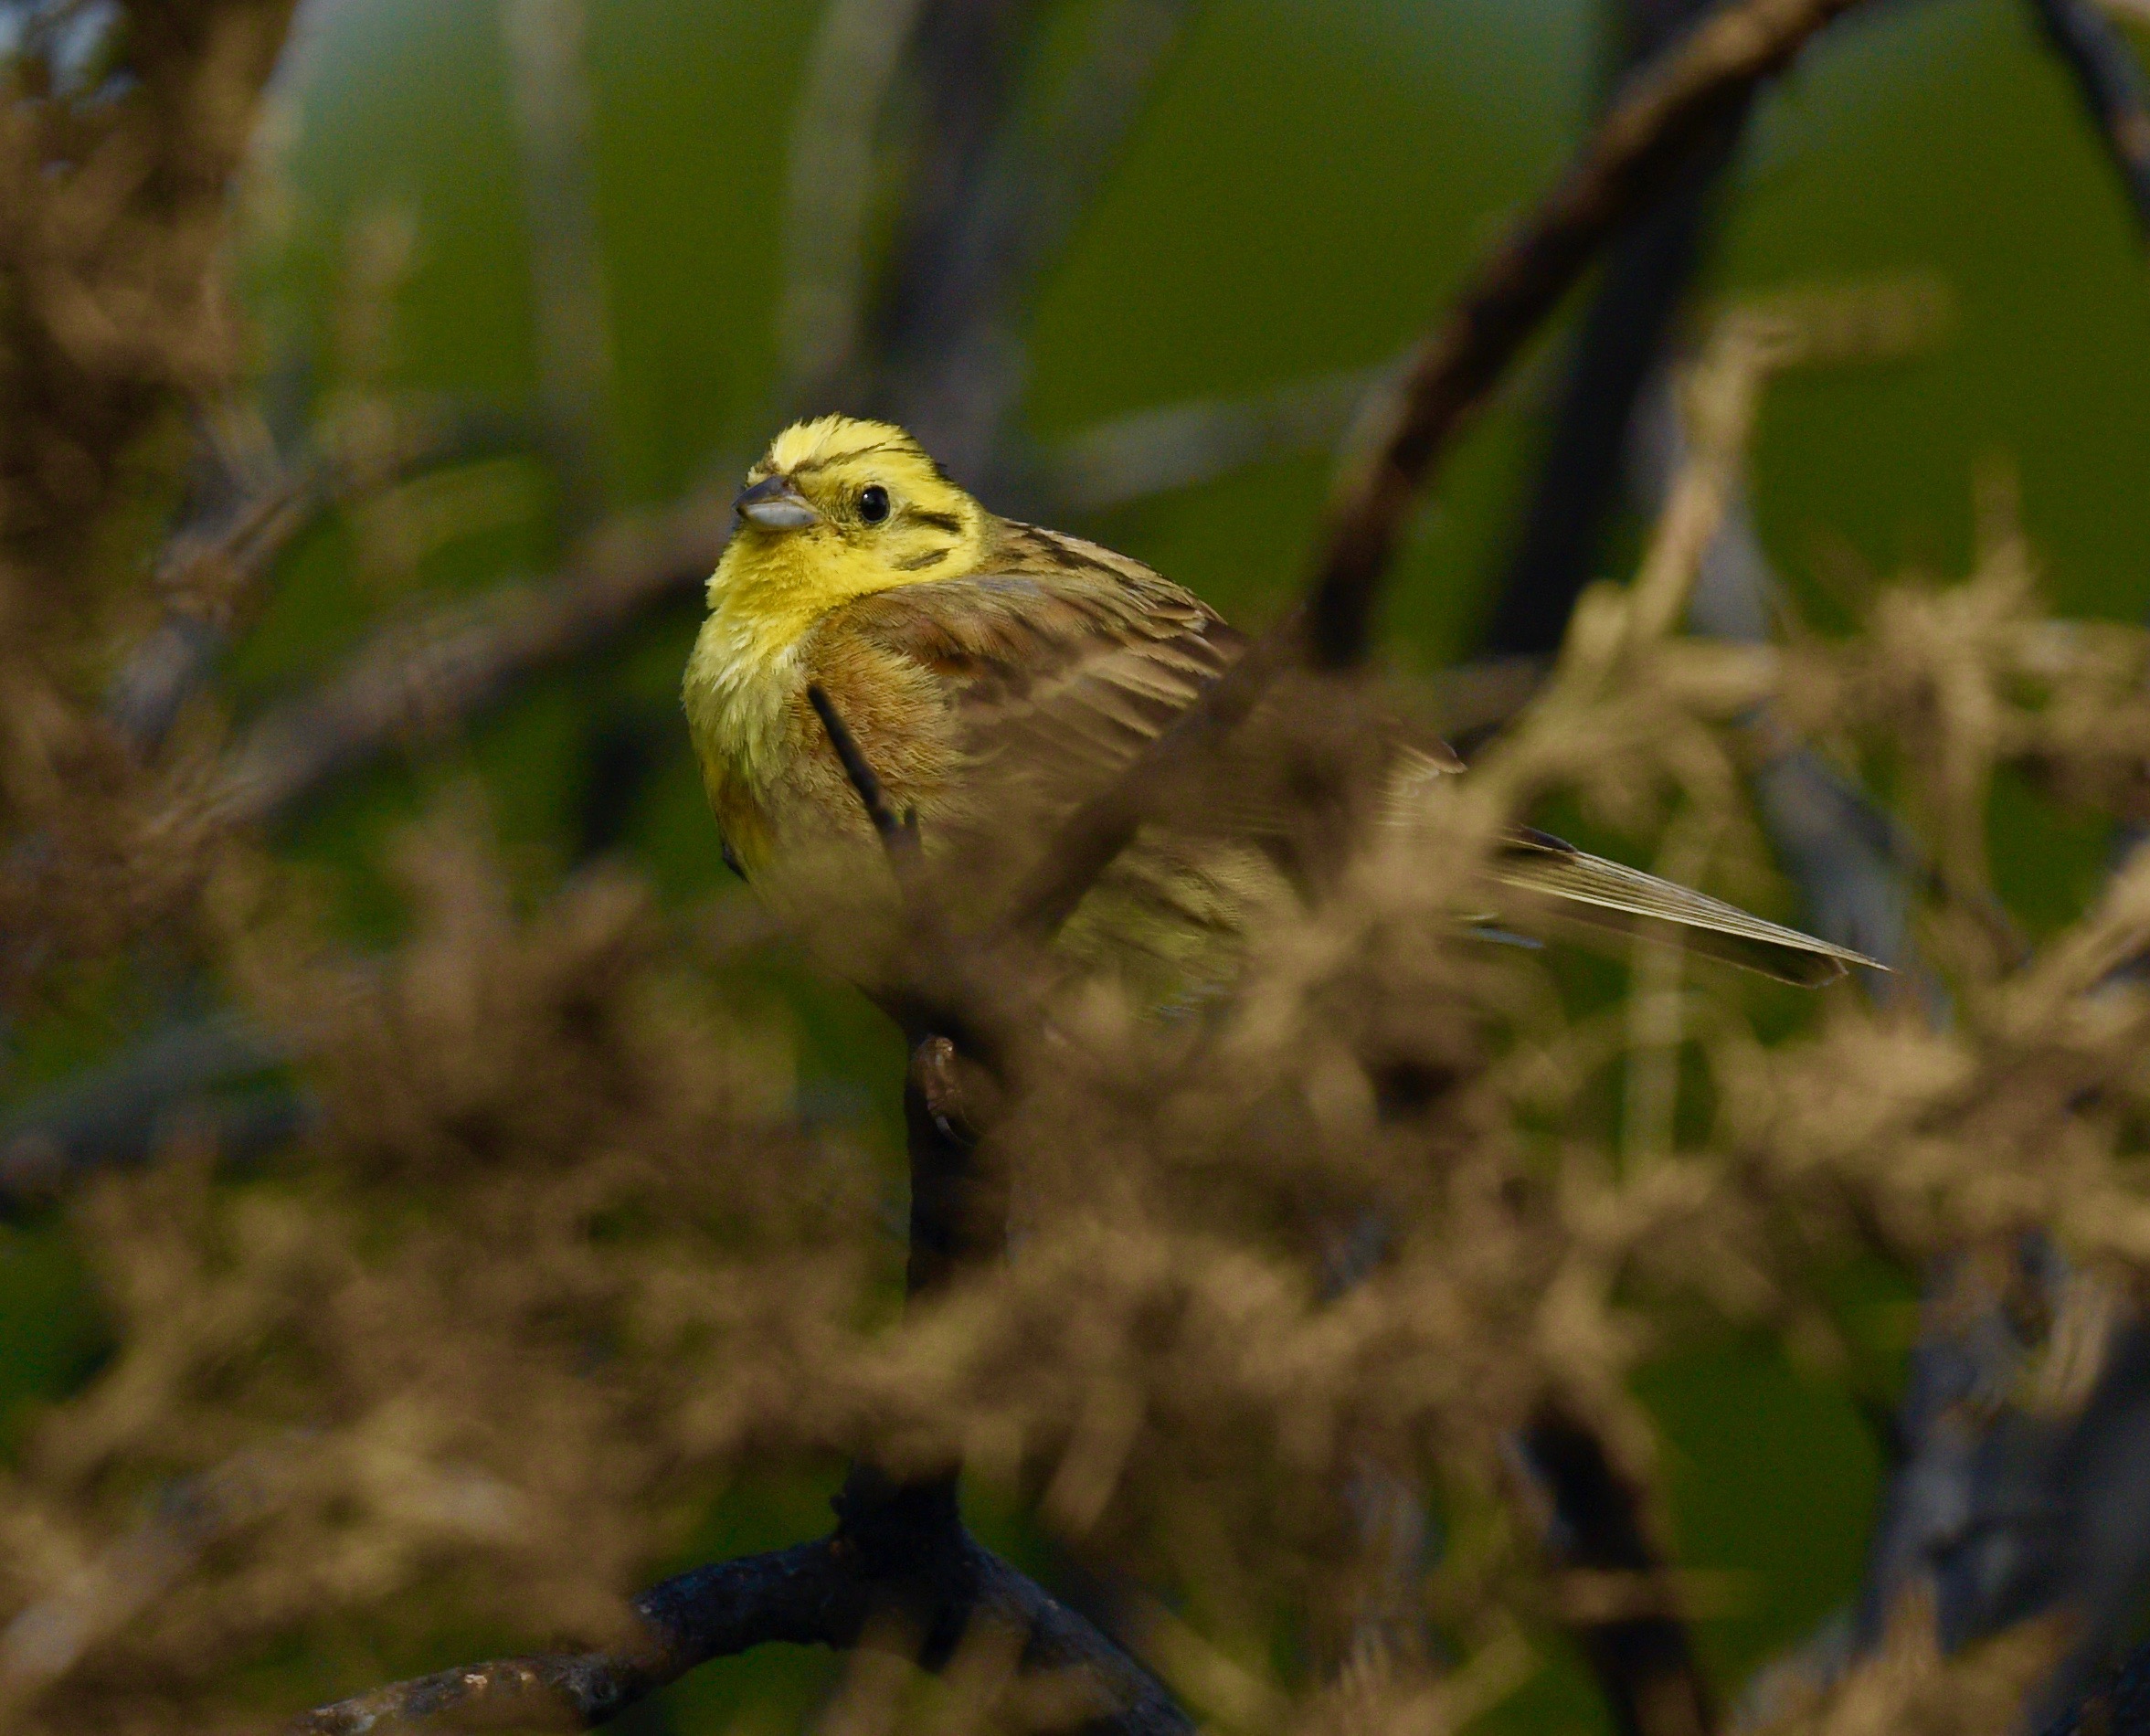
(836, 509)
(853, 508)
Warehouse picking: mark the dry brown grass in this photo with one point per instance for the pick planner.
(556, 1263)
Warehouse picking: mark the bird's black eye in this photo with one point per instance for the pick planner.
(874, 504)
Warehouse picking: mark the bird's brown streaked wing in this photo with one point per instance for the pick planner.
(1057, 663)
(1590, 889)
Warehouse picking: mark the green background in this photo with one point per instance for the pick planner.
(1311, 180)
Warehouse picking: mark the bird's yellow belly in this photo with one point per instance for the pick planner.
(738, 697)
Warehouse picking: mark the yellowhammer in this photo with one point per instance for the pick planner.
(994, 675)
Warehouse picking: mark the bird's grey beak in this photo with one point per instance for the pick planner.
(775, 503)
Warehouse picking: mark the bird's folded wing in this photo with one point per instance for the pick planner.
(1054, 667)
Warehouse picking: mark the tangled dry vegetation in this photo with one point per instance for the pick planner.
(555, 1260)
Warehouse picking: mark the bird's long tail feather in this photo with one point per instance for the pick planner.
(1589, 889)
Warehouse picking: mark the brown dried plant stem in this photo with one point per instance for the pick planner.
(900, 1568)
(1668, 113)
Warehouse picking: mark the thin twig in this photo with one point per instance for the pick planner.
(425, 676)
(210, 570)
(218, 1076)
(550, 91)
(2111, 83)
(1665, 115)
(961, 365)
(943, 994)
(1131, 458)
(820, 309)
(1667, 112)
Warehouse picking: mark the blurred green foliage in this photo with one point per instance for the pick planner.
(1312, 178)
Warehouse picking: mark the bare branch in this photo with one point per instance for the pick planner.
(118, 1112)
(899, 1557)
(1598, 1523)
(219, 1074)
(965, 61)
(423, 676)
(209, 569)
(957, 366)
(1649, 137)
(820, 312)
(2110, 80)
(1665, 115)
(900, 1562)
(1618, 345)
(1176, 446)
(545, 40)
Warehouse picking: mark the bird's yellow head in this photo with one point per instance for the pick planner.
(839, 508)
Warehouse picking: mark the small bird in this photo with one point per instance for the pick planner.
(993, 675)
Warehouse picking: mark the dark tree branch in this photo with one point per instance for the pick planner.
(1669, 112)
(2007, 1511)
(119, 1112)
(2112, 88)
(857, 53)
(1645, 1663)
(212, 567)
(221, 1076)
(899, 1567)
(1666, 114)
(1177, 446)
(1620, 342)
(960, 366)
(423, 677)
(965, 65)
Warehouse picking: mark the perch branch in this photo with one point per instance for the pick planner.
(1645, 1663)
(1666, 113)
(895, 1565)
(2111, 83)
